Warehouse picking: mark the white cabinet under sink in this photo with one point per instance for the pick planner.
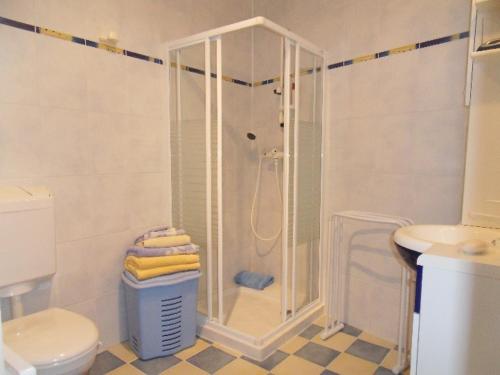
(457, 331)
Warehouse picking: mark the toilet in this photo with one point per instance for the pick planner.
(55, 341)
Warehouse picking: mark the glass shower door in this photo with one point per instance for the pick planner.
(305, 166)
(193, 174)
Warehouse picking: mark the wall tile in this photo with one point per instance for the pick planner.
(139, 23)
(64, 141)
(107, 82)
(110, 203)
(75, 277)
(144, 144)
(398, 83)
(395, 143)
(365, 82)
(45, 295)
(111, 318)
(365, 23)
(61, 73)
(110, 143)
(19, 152)
(354, 145)
(439, 138)
(339, 93)
(439, 199)
(448, 16)
(441, 76)
(146, 85)
(110, 250)
(67, 16)
(73, 206)
(147, 206)
(43, 141)
(19, 10)
(17, 71)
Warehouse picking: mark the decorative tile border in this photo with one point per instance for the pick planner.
(379, 55)
(120, 51)
(402, 49)
(75, 39)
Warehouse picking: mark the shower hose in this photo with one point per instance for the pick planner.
(257, 187)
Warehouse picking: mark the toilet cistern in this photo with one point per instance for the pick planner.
(25, 260)
(54, 341)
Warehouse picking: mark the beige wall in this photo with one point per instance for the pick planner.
(396, 130)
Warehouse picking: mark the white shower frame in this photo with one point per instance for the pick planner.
(214, 329)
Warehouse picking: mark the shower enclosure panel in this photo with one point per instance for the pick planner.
(207, 163)
(193, 144)
(307, 156)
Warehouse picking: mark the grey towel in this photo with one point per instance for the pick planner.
(140, 251)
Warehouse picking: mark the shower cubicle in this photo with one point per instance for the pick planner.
(246, 136)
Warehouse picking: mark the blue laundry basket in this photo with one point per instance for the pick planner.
(161, 315)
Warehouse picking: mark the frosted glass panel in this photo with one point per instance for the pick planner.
(189, 157)
(308, 179)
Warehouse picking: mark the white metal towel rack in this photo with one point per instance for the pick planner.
(335, 293)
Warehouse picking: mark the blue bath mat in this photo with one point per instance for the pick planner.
(253, 280)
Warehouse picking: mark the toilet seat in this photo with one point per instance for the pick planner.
(52, 338)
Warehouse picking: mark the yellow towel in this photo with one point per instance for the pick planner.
(145, 263)
(169, 241)
(159, 271)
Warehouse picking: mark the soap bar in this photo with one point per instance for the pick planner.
(474, 247)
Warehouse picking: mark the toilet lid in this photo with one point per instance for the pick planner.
(50, 336)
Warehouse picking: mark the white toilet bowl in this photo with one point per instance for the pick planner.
(54, 341)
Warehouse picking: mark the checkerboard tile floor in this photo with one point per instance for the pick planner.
(350, 352)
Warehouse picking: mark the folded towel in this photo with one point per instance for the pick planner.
(169, 241)
(141, 274)
(161, 251)
(164, 231)
(253, 280)
(158, 279)
(146, 263)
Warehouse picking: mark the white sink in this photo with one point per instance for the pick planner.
(416, 239)
(421, 237)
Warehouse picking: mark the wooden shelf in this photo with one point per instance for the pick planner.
(485, 54)
(487, 4)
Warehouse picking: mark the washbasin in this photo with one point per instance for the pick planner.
(414, 240)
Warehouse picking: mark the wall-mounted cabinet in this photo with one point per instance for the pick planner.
(484, 42)
(481, 204)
